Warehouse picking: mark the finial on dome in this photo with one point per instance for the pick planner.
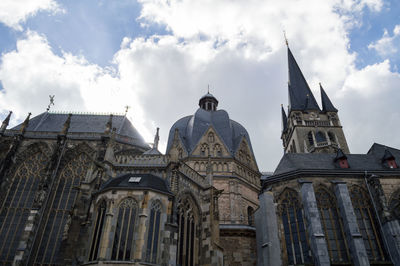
(208, 102)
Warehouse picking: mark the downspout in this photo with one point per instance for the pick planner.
(377, 215)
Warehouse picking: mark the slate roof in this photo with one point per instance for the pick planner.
(327, 105)
(372, 161)
(147, 182)
(84, 123)
(284, 120)
(300, 95)
(191, 129)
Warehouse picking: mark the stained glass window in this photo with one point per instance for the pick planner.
(332, 225)
(297, 250)
(124, 230)
(57, 218)
(187, 234)
(17, 204)
(97, 230)
(367, 223)
(153, 232)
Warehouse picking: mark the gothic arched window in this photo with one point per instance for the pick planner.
(332, 225)
(187, 240)
(97, 230)
(320, 137)
(58, 217)
(124, 230)
(367, 223)
(19, 199)
(310, 138)
(296, 246)
(153, 232)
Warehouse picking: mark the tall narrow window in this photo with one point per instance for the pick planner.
(124, 230)
(333, 226)
(297, 250)
(395, 204)
(250, 215)
(58, 217)
(310, 138)
(367, 224)
(153, 233)
(97, 230)
(187, 244)
(18, 201)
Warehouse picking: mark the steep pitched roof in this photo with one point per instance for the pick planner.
(300, 95)
(327, 105)
(372, 161)
(84, 123)
(284, 120)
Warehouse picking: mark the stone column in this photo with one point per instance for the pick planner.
(106, 239)
(314, 227)
(268, 244)
(353, 236)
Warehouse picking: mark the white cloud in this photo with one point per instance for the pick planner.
(33, 71)
(15, 12)
(387, 45)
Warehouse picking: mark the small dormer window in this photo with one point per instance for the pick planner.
(343, 163)
(392, 163)
(134, 179)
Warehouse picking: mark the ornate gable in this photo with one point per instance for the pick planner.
(211, 143)
(244, 155)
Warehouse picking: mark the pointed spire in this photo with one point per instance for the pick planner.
(156, 139)
(67, 123)
(327, 105)
(5, 123)
(284, 119)
(298, 88)
(25, 124)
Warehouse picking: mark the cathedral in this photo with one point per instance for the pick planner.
(86, 189)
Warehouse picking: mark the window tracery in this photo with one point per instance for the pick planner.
(296, 246)
(153, 232)
(187, 226)
(332, 225)
(124, 230)
(367, 224)
(97, 230)
(17, 203)
(61, 204)
(331, 137)
(320, 137)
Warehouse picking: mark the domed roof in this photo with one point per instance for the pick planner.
(137, 181)
(192, 128)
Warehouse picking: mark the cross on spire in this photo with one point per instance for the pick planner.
(127, 107)
(51, 102)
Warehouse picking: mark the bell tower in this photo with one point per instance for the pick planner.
(307, 128)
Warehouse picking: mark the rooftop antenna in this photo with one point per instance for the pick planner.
(127, 107)
(286, 40)
(51, 102)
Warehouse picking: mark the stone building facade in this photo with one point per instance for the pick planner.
(85, 189)
(323, 205)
